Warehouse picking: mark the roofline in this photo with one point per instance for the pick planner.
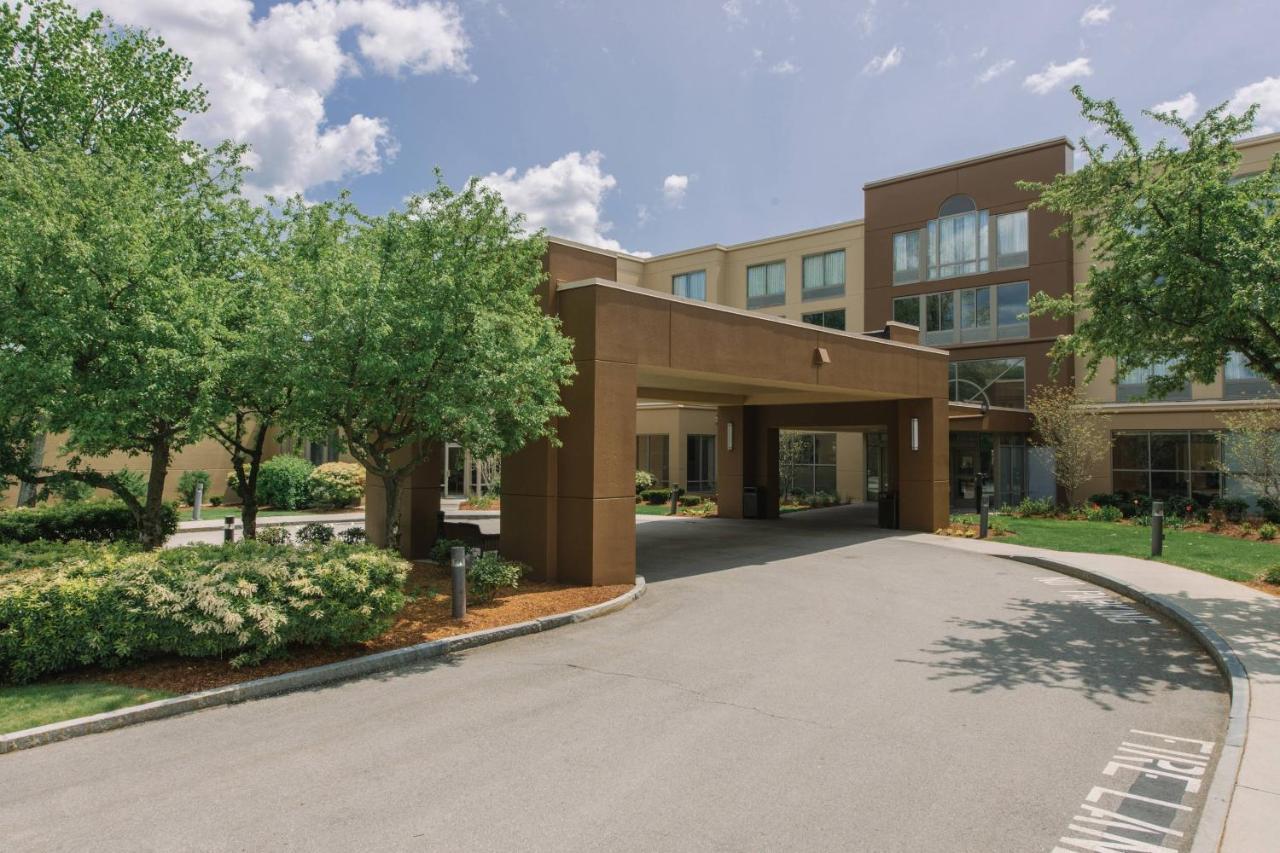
(982, 158)
(1261, 139)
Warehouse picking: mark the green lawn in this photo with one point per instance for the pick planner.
(1222, 556)
(217, 513)
(40, 704)
(653, 509)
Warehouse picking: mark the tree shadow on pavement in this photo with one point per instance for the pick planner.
(1064, 646)
(1251, 628)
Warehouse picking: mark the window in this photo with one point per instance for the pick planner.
(906, 257)
(653, 453)
(701, 463)
(975, 315)
(906, 309)
(997, 382)
(1242, 382)
(960, 242)
(826, 319)
(1164, 465)
(1011, 240)
(823, 275)
(1132, 386)
(807, 463)
(691, 285)
(766, 284)
(1012, 311)
(939, 318)
(321, 452)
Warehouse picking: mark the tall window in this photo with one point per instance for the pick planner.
(700, 460)
(823, 275)
(653, 454)
(812, 465)
(1164, 465)
(1012, 319)
(984, 314)
(766, 284)
(1133, 385)
(939, 318)
(691, 285)
(960, 242)
(826, 319)
(1242, 382)
(906, 309)
(997, 382)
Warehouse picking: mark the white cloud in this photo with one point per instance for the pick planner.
(565, 197)
(269, 76)
(674, 188)
(979, 54)
(867, 18)
(1185, 105)
(784, 68)
(1096, 15)
(881, 64)
(995, 70)
(1055, 75)
(1266, 94)
(734, 12)
(643, 216)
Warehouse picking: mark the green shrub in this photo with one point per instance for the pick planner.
(691, 500)
(71, 491)
(1270, 509)
(22, 556)
(484, 501)
(1233, 509)
(656, 496)
(88, 521)
(336, 484)
(645, 480)
(247, 601)
(1267, 532)
(1272, 575)
(274, 535)
(1034, 508)
(215, 500)
(439, 552)
(489, 573)
(187, 486)
(283, 482)
(354, 536)
(315, 533)
(1109, 513)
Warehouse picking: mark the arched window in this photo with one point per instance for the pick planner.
(957, 204)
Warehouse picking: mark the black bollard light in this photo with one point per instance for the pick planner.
(984, 517)
(229, 529)
(1157, 528)
(458, 563)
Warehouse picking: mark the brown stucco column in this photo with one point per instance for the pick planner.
(760, 459)
(528, 508)
(419, 503)
(923, 475)
(729, 420)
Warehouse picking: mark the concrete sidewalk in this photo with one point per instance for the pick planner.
(1249, 621)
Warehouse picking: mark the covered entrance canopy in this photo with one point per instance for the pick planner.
(569, 511)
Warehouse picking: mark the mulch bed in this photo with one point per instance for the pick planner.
(426, 617)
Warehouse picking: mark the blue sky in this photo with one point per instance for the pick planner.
(655, 126)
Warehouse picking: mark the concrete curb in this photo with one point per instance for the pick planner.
(1213, 818)
(304, 678)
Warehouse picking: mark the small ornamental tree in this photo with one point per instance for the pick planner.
(1252, 442)
(421, 327)
(1076, 432)
(793, 449)
(1185, 268)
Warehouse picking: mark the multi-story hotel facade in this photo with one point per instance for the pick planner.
(955, 250)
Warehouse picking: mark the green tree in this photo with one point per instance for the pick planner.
(1185, 264)
(1067, 423)
(110, 278)
(423, 326)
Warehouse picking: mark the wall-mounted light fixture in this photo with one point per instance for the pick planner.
(728, 434)
(915, 433)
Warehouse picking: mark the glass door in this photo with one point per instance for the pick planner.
(454, 468)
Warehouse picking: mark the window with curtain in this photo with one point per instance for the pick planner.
(691, 285)
(906, 257)
(766, 284)
(958, 245)
(823, 275)
(1011, 240)
(960, 242)
(1133, 385)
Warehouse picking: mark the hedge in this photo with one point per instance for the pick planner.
(656, 496)
(86, 521)
(336, 484)
(247, 601)
(283, 482)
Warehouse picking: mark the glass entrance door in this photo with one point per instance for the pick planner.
(454, 466)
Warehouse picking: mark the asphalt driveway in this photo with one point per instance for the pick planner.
(801, 684)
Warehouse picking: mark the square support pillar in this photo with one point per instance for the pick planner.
(729, 482)
(528, 508)
(923, 473)
(419, 502)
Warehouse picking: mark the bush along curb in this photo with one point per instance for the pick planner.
(304, 678)
(1213, 817)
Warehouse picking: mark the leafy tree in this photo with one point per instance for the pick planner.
(1185, 263)
(1252, 440)
(794, 448)
(422, 326)
(1075, 430)
(109, 286)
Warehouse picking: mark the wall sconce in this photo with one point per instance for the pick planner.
(915, 433)
(728, 434)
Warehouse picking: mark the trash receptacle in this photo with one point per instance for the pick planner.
(888, 511)
(750, 502)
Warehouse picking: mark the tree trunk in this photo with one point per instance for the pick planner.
(249, 483)
(27, 491)
(391, 523)
(151, 523)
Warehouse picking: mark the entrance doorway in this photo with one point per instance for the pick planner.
(995, 463)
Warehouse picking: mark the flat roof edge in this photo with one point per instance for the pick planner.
(969, 161)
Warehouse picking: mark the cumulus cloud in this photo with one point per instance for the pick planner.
(1096, 15)
(994, 71)
(1185, 105)
(881, 64)
(1055, 75)
(784, 68)
(269, 76)
(566, 197)
(674, 188)
(1266, 94)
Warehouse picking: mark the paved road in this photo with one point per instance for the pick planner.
(797, 684)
